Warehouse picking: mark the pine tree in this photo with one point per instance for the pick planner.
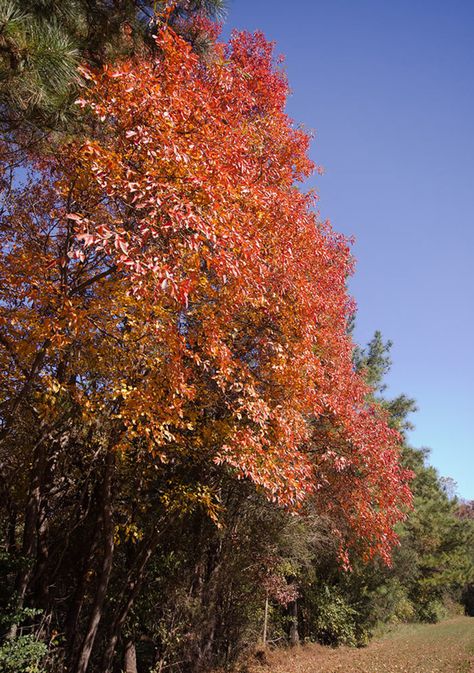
(43, 43)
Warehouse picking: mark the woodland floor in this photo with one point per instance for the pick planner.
(447, 647)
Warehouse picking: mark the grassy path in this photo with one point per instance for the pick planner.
(447, 647)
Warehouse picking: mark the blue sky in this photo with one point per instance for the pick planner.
(388, 89)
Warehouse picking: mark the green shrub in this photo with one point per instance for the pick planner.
(22, 655)
(432, 611)
(404, 611)
(333, 621)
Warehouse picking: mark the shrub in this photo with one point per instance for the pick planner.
(22, 655)
(432, 611)
(332, 620)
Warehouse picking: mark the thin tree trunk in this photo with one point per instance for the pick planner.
(294, 635)
(265, 621)
(206, 648)
(130, 657)
(31, 526)
(11, 534)
(40, 582)
(98, 606)
(210, 602)
(24, 391)
(75, 608)
(128, 595)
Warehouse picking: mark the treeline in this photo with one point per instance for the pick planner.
(431, 571)
(212, 592)
(194, 458)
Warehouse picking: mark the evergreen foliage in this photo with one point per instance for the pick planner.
(43, 43)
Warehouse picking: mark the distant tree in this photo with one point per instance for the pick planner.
(433, 560)
(374, 362)
(432, 566)
(466, 509)
(449, 486)
(439, 542)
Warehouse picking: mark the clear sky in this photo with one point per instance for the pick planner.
(388, 87)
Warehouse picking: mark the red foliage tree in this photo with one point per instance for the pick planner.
(203, 302)
(190, 189)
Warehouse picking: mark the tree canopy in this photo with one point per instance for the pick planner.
(44, 44)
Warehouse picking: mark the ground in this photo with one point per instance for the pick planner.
(447, 647)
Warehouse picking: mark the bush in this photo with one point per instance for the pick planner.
(431, 612)
(22, 655)
(332, 621)
(404, 612)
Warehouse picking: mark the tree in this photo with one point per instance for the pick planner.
(173, 315)
(439, 540)
(214, 228)
(374, 362)
(44, 43)
(431, 564)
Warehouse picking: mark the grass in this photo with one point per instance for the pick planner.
(447, 647)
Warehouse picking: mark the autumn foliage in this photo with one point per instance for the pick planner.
(244, 290)
(171, 303)
(205, 302)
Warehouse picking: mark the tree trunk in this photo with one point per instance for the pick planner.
(24, 391)
(128, 595)
(98, 606)
(32, 513)
(40, 582)
(265, 622)
(130, 657)
(11, 530)
(294, 635)
(75, 607)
